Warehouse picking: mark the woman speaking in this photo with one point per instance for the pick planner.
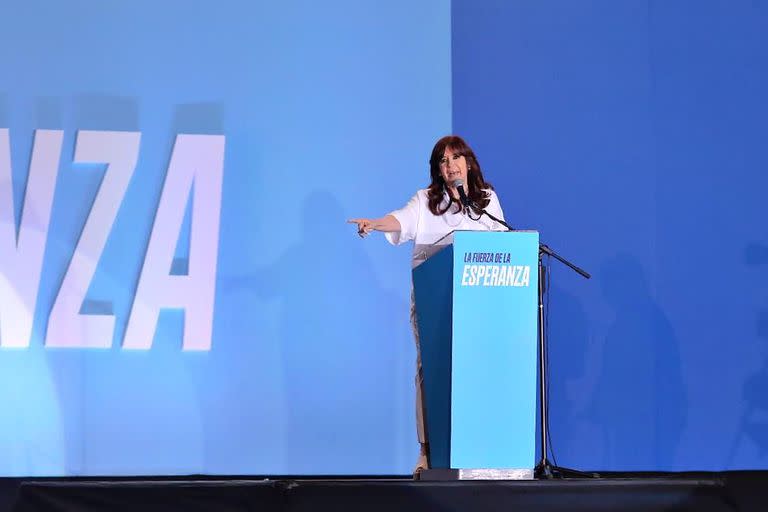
(429, 216)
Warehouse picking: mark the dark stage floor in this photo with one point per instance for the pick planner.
(729, 491)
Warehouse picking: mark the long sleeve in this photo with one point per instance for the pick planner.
(408, 217)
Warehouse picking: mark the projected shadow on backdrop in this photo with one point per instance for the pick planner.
(571, 379)
(754, 419)
(338, 359)
(145, 395)
(32, 434)
(639, 400)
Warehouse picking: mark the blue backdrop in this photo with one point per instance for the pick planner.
(631, 134)
(329, 112)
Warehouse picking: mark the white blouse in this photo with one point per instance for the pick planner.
(428, 231)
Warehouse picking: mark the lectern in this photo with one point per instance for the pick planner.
(476, 306)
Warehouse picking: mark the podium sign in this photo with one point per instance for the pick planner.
(476, 305)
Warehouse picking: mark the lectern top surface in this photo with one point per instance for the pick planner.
(447, 239)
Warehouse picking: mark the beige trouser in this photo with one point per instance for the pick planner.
(420, 430)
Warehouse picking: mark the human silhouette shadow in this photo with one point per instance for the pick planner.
(754, 419)
(639, 400)
(567, 340)
(147, 395)
(756, 254)
(755, 423)
(338, 344)
(29, 394)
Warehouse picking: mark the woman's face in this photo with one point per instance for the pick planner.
(453, 167)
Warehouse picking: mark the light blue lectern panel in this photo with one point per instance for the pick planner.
(493, 395)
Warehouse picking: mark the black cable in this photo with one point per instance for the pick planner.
(549, 342)
(469, 213)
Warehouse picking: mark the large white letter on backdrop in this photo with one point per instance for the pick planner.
(66, 326)
(21, 257)
(197, 166)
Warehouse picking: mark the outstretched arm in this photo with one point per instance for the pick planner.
(387, 224)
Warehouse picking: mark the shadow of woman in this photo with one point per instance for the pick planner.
(640, 399)
(754, 419)
(569, 387)
(338, 346)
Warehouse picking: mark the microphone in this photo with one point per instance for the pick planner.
(459, 186)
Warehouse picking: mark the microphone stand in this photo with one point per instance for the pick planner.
(544, 469)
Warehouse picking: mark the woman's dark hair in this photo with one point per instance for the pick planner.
(477, 187)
